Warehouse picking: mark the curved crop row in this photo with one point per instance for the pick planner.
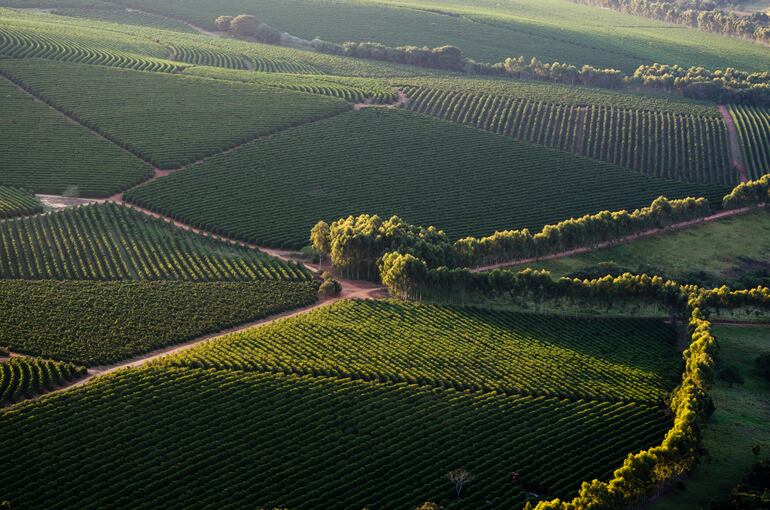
(753, 125)
(18, 43)
(23, 377)
(206, 57)
(112, 242)
(465, 349)
(18, 202)
(658, 144)
(267, 440)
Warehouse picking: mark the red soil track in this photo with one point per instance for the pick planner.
(736, 154)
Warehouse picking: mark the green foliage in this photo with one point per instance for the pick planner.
(18, 202)
(112, 242)
(750, 193)
(657, 144)
(104, 322)
(468, 349)
(183, 119)
(753, 126)
(395, 162)
(65, 155)
(303, 443)
(23, 377)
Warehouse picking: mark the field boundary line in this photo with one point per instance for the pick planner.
(607, 244)
(736, 150)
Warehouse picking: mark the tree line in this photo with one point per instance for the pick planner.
(725, 86)
(702, 15)
(749, 193)
(356, 244)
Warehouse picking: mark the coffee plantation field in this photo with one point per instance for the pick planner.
(486, 30)
(113, 242)
(104, 322)
(395, 162)
(124, 17)
(657, 144)
(270, 440)
(465, 349)
(18, 202)
(24, 377)
(168, 120)
(753, 125)
(66, 157)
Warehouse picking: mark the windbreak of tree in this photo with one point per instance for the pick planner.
(703, 15)
(750, 193)
(355, 245)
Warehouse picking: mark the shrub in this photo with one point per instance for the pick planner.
(244, 25)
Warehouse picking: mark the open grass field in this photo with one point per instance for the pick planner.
(395, 162)
(66, 157)
(739, 422)
(727, 250)
(466, 349)
(104, 322)
(486, 30)
(112, 242)
(165, 119)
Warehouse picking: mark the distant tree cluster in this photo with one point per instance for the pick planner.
(443, 57)
(246, 25)
(700, 14)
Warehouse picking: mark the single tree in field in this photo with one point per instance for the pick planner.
(320, 240)
(459, 478)
(223, 23)
(244, 25)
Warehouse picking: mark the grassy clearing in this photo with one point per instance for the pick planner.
(715, 252)
(739, 422)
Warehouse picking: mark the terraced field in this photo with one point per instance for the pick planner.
(24, 377)
(104, 322)
(384, 445)
(18, 202)
(111, 242)
(465, 349)
(67, 158)
(395, 162)
(655, 143)
(167, 120)
(753, 125)
(124, 17)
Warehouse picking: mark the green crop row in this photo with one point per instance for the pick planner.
(753, 125)
(462, 348)
(266, 440)
(167, 120)
(66, 158)
(104, 322)
(23, 377)
(659, 144)
(388, 162)
(18, 202)
(112, 242)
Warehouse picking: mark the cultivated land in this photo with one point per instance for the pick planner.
(739, 422)
(727, 250)
(112, 242)
(360, 428)
(394, 162)
(487, 30)
(462, 348)
(219, 376)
